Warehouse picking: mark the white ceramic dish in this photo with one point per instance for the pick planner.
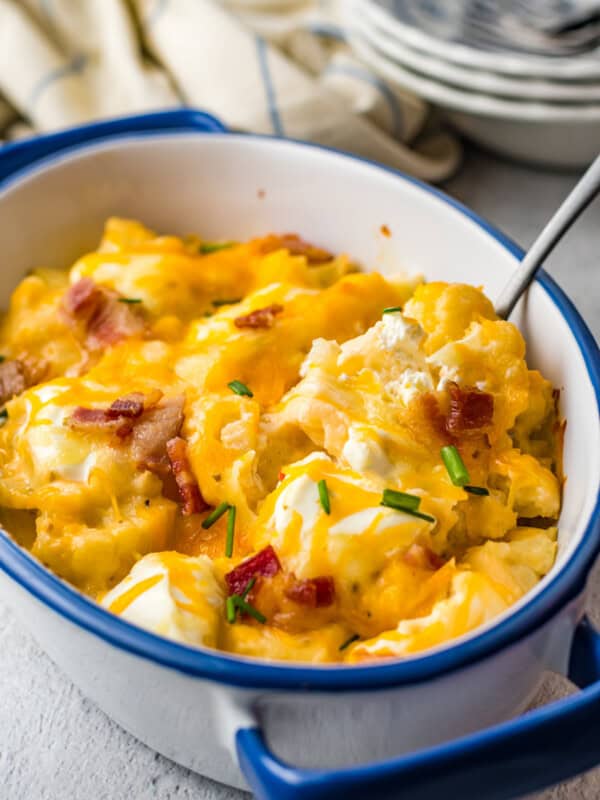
(585, 67)
(552, 134)
(466, 78)
(212, 712)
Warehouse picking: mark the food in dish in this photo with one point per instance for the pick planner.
(256, 447)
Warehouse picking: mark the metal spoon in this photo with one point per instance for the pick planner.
(580, 197)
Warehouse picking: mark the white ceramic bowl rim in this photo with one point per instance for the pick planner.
(236, 671)
(567, 68)
(461, 98)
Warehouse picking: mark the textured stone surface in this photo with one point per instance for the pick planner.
(55, 745)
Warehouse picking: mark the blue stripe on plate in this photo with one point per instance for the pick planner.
(263, 55)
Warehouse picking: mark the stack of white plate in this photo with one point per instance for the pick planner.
(533, 106)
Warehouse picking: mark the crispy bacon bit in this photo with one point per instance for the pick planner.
(13, 379)
(313, 592)
(97, 309)
(80, 298)
(422, 557)
(153, 430)
(130, 406)
(296, 247)
(470, 410)
(436, 418)
(118, 417)
(264, 564)
(260, 318)
(193, 502)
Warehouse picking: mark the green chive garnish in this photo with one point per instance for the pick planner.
(230, 302)
(213, 247)
(240, 388)
(324, 496)
(214, 515)
(391, 309)
(130, 300)
(459, 475)
(479, 490)
(248, 588)
(406, 503)
(401, 501)
(230, 608)
(230, 532)
(355, 637)
(248, 609)
(3, 417)
(2, 358)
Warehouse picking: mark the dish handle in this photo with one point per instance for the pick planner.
(16, 155)
(514, 758)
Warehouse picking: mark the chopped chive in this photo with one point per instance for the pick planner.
(230, 532)
(214, 515)
(230, 608)
(226, 302)
(324, 496)
(354, 638)
(391, 309)
(3, 417)
(412, 513)
(459, 475)
(401, 501)
(479, 490)
(2, 358)
(240, 388)
(130, 300)
(213, 247)
(248, 609)
(248, 588)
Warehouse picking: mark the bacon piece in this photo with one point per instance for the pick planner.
(13, 379)
(296, 247)
(470, 410)
(153, 430)
(130, 406)
(104, 319)
(80, 298)
(265, 563)
(119, 416)
(434, 415)
(193, 502)
(313, 592)
(260, 318)
(422, 557)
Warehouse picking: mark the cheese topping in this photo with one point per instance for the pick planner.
(240, 446)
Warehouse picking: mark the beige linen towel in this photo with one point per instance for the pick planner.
(269, 66)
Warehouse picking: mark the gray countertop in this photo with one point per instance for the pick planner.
(55, 745)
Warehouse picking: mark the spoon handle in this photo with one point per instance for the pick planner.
(577, 201)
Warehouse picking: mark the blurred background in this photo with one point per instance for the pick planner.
(388, 79)
(497, 102)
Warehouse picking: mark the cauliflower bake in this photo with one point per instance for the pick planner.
(257, 448)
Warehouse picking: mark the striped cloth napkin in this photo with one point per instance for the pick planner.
(269, 66)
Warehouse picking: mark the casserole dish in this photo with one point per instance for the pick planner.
(180, 171)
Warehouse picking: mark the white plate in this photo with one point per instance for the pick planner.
(536, 132)
(463, 77)
(574, 68)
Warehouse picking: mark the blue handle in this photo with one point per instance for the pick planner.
(536, 750)
(14, 156)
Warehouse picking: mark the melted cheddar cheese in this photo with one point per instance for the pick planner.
(200, 436)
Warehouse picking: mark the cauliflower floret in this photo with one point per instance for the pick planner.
(173, 595)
